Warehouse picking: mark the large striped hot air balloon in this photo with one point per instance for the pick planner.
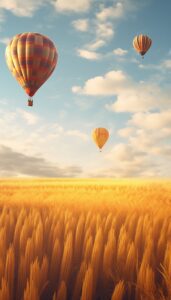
(100, 136)
(31, 58)
(142, 44)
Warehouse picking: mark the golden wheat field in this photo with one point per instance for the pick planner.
(85, 239)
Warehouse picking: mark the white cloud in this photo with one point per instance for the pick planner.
(152, 121)
(166, 64)
(163, 66)
(134, 166)
(120, 52)
(104, 23)
(145, 152)
(119, 9)
(125, 132)
(135, 99)
(5, 40)
(21, 8)
(96, 44)
(104, 30)
(72, 6)
(116, 11)
(131, 96)
(164, 151)
(81, 25)
(144, 155)
(150, 140)
(90, 55)
(123, 152)
(29, 117)
(147, 148)
(78, 133)
(34, 139)
(107, 85)
(76, 89)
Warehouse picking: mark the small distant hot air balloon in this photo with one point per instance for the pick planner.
(100, 136)
(31, 58)
(142, 44)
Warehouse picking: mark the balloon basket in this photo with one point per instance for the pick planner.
(30, 102)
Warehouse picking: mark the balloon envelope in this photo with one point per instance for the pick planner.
(31, 58)
(142, 43)
(100, 136)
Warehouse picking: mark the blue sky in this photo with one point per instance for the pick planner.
(100, 81)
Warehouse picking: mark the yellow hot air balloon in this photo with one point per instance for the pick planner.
(100, 136)
(31, 58)
(142, 44)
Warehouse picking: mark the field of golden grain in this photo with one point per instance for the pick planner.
(85, 240)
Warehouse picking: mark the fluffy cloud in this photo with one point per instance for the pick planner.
(116, 11)
(31, 136)
(164, 151)
(153, 143)
(90, 55)
(107, 85)
(125, 153)
(147, 132)
(147, 148)
(166, 64)
(72, 6)
(27, 9)
(30, 118)
(163, 66)
(150, 132)
(139, 167)
(104, 30)
(152, 121)
(125, 132)
(96, 44)
(81, 25)
(103, 25)
(78, 133)
(28, 133)
(5, 40)
(14, 164)
(120, 52)
(141, 156)
(21, 8)
(131, 96)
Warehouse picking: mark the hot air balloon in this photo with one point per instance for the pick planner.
(31, 58)
(142, 44)
(100, 136)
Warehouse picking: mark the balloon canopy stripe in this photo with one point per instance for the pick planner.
(100, 136)
(31, 58)
(142, 43)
